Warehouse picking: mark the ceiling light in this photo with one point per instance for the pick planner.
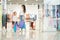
(25, 0)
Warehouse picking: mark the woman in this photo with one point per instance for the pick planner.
(26, 19)
(22, 17)
(23, 23)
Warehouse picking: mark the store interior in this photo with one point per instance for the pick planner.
(29, 10)
(29, 19)
(39, 15)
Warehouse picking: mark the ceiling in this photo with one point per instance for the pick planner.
(25, 2)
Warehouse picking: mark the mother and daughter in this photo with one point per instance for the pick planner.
(20, 21)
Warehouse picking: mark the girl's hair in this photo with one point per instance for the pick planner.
(24, 8)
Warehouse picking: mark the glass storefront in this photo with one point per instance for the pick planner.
(53, 9)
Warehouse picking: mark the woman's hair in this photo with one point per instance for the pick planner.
(24, 8)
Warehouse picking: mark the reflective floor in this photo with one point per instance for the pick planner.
(31, 35)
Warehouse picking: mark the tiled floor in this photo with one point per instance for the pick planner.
(31, 35)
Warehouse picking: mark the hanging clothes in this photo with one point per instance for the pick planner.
(32, 25)
(4, 20)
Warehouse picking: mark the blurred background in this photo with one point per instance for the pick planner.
(38, 18)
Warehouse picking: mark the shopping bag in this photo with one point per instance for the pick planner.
(14, 27)
(22, 24)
